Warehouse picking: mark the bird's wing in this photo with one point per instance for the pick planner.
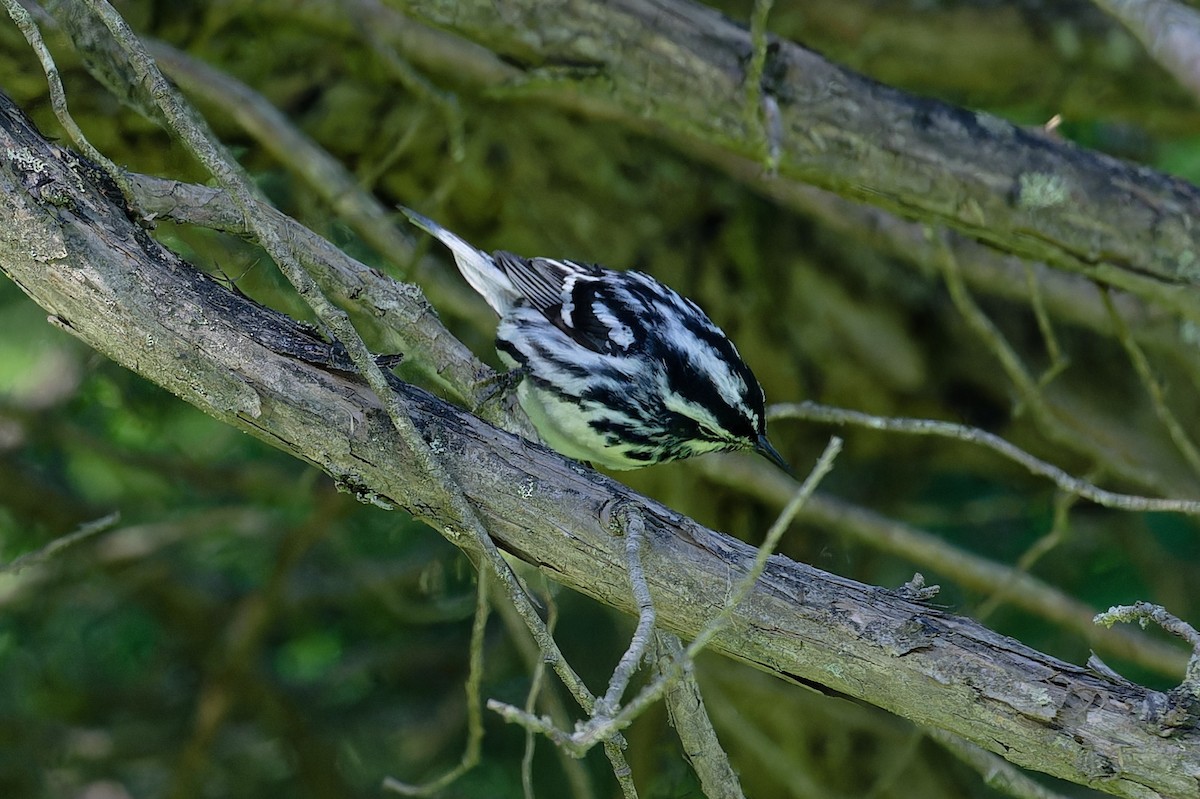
(576, 298)
(544, 282)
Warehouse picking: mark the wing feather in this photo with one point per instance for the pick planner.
(577, 298)
(544, 282)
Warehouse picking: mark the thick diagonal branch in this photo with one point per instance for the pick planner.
(680, 68)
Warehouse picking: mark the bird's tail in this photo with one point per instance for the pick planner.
(476, 266)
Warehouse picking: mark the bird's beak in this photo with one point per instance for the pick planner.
(763, 447)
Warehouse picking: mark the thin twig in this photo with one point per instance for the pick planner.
(996, 772)
(634, 528)
(762, 110)
(1053, 538)
(470, 755)
(774, 754)
(624, 775)
(1030, 396)
(58, 96)
(399, 309)
(987, 332)
(535, 689)
(326, 177)
(814, 412)
(1144, 613)
(547, 698)
(1058, 362)
(745, 586)
(689, 717)
(1158, 399)
(767, 548)
(53, 548)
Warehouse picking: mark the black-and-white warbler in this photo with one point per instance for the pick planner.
(617, 368)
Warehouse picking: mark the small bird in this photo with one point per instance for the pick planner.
(616, 368)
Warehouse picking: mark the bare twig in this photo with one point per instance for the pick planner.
(545, 697)
(1144, 613)
(767, 548)
(325, 176)
(813, 412)
(1141, 365)
(58, 96)
(690, 718)
(1045, 416)
(1059, 528)
(63, 542)
(1058, 362)
(762, 109)
(365, 14)
(996, 773)
(767, 750)
(400, 308)
(470, 755)
(654, 691)
(633, 526)
(535, 690)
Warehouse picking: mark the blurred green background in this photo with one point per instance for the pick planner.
(244, 629)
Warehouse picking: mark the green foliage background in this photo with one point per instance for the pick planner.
(245, 629)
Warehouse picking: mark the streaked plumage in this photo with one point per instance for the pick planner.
(620, 370)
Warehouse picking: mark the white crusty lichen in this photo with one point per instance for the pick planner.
(1042, 190)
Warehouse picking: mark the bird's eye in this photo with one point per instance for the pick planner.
(685, 427)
